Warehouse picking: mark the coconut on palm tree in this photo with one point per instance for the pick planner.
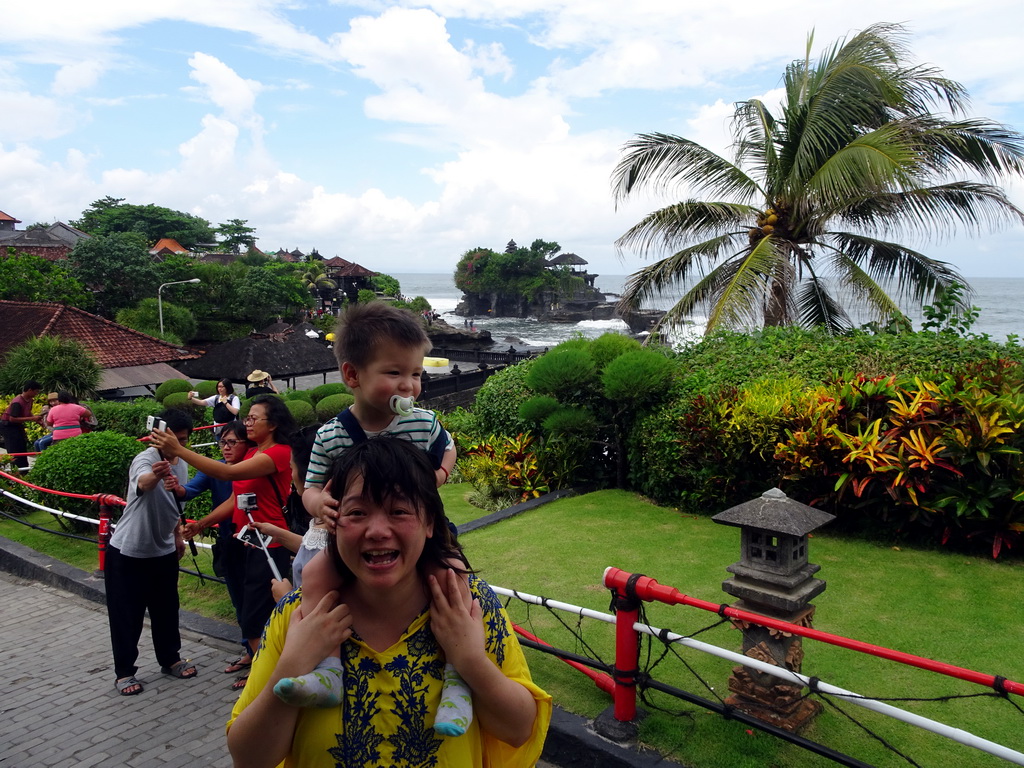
(807, 207)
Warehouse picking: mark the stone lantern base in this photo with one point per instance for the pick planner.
(762, 695)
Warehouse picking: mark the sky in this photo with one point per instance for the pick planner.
(402, 134)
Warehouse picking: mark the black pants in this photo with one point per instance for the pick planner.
(135, 584)
(250, 572)
(16, 442)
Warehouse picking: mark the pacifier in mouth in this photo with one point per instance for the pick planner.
(402, 405)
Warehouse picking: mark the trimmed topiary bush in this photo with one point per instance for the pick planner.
(326, 390)
(536, 409)
(300, 394)
(497, 403)
(637, 377)
(170, 386)
(302, 411)
(93, 463)
(126, 418)
(183, 402)
(332, 405)
(206, 389)
(568, 373)
(609, 346)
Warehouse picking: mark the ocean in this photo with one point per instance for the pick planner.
(1001, 301)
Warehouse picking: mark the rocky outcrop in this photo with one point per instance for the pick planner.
(442, 334)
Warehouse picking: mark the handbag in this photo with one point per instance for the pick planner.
(293, 511)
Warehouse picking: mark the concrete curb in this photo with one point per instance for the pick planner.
(571, 742)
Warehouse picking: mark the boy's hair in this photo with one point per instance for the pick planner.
(31, 384)
(176, 420)
(362, 327)
(392, 467)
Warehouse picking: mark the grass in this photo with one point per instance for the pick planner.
(958, 609)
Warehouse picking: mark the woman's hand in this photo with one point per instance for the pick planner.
(456, 619)
(313, 637)
(280, 588)
(165, 442)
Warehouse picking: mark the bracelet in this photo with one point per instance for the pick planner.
(447, 474)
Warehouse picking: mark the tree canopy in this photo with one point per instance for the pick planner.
(24, 277)
(798, 222)
(117, 267)
(515, 271)
(111, 215)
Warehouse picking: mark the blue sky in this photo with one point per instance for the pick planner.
(401, 134)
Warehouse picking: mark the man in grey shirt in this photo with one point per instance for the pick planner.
(142, 563)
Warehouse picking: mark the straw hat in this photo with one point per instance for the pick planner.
(257, 375)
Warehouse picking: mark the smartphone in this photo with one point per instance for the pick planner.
(252, 537)
(152, 422)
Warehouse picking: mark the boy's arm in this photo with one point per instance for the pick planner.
(447, 465)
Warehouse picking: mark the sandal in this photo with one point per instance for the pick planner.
(242, 662)
(129, 686)
(239, 683)
(183, 670)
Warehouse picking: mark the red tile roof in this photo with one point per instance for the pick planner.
(5, 217)
(114, 345)
(167, 245)
(337, 261)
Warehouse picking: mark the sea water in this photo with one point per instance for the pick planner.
(1000, 300)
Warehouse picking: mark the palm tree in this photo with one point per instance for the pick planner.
(854, 156)
(314, 279)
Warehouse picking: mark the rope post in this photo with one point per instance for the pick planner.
(619, 722)
(103, 537)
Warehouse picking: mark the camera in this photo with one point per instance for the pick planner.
(152, 422)
(246, 501)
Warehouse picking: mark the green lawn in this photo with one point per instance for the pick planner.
(954, 608)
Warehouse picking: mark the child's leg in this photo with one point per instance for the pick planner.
(323, 687)
(455, 711)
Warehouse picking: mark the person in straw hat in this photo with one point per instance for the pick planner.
(259, 384)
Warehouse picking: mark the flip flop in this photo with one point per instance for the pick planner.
(123, 686)
(239, 683)
(242, 662)
(183, 670)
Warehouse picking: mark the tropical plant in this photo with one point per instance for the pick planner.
(179, 323)
(55, 363)
(803, 210)
(314, 278)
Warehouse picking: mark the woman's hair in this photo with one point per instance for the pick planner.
(391, 467)
(302, 447)
(63, 396)
(279, 416)
(236, 428)
(227, 385)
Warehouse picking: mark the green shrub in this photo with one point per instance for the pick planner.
(206, 389)
(332, 405)
(536, 409)
(570, 421)
(637, 377)
(460, 422)
(497, 403)
(170, 386)
(92, 463)
(55, 363)
(302, 411)
(609, 346)
(567, 372)
(125, 418)
(300, 394)
(182, 402)
(326, 390)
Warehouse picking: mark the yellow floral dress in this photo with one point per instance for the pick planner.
(391, 697)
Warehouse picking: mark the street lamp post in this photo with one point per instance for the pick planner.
(160, 304)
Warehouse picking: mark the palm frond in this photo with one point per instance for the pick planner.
(931, 211)
(676, 224)
(982, 146)
(671, 272)
(915, 276)
(754, 130)
(816, 306)
(663, 162)
(741, 298)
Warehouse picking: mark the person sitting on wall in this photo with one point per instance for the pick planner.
(259, 384)
(67, 417)
(44, 442)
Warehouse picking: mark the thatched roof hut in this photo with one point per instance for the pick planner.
(283, 355)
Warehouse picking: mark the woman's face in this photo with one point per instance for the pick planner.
(221, 389)
(232, 447)
(381, 543)
(257, 428)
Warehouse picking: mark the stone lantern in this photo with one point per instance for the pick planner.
(773, 578)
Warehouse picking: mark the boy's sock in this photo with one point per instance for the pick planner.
(455, 712)
(323, 687)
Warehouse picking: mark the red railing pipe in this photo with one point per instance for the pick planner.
(627, 654)
(646, 588)
(601, 680)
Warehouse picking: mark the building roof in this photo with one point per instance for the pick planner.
(114, 346)
(67, 233)
(167, 245)
(567, 259)
(5, 217)
(283, 355)
(337, 261)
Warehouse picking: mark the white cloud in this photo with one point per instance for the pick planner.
(79, 76)
(27, 117)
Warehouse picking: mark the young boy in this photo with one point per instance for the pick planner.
(380, 353)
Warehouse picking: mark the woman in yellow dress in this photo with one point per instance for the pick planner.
(397, 627)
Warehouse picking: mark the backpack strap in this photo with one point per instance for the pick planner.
(352, 426)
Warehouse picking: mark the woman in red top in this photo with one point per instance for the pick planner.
(265, 471)
(66, 417)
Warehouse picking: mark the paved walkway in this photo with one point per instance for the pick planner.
(58, 706)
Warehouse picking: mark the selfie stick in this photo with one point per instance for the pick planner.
(263, 546)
